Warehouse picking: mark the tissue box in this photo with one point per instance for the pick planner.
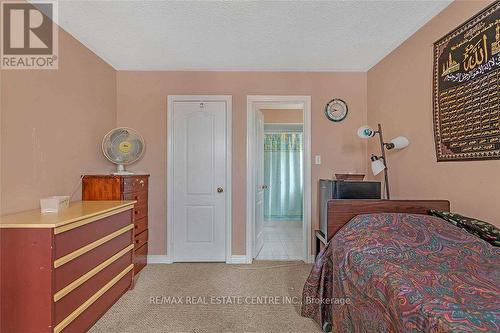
(54, 204)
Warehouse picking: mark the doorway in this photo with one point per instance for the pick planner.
(283, 185)
(199, 178)
(278, 178)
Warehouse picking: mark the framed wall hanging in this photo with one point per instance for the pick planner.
(466, 90)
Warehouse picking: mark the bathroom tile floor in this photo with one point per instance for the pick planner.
(282, 241)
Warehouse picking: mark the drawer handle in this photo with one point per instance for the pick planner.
(137, 241)
(136, 212)
(136, 198)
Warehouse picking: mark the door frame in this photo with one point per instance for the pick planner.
(255, 102)
(170, 166)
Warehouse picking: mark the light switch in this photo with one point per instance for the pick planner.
(317, 159)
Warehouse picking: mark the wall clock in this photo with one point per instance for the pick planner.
(336, 110)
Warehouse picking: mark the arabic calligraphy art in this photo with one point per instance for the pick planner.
(467, 91)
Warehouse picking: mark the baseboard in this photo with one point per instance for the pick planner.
(165, 259)
(234, 259)
(159, 259)
(238, 259)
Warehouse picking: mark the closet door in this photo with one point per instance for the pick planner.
(199, 176)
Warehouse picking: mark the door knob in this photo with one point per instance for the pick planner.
(264, 187)
(220, 189)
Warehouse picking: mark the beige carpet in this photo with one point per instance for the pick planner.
(242, 285)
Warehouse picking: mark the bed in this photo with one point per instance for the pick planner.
(390, 268)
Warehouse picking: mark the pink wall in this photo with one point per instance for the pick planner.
(142, 104)
(283, 116)
(400, 97)
(51, 129)
(52, 123)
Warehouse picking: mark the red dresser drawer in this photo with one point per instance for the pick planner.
(140, 239)
(141, 258)
(140, 197)
(72, 300)
(140, 211)
(101, 187)
(72, 270)
(71, 240)
(88, 317)
(140, 225)
(135, 184)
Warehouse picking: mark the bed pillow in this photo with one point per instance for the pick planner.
(482, 229)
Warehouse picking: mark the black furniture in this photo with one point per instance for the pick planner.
(343, 189)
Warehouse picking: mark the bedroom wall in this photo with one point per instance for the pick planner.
(52, 124)
(142, 104)
(400, 97)
(283, 116)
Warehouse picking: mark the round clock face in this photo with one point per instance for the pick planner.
(336, 110)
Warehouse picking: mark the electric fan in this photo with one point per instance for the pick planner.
(122, 146)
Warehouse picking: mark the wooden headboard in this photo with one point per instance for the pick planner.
(342, 211)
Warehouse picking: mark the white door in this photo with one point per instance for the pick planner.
(199, 177)
(260, 186)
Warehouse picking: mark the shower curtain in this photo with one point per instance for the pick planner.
(283, 175)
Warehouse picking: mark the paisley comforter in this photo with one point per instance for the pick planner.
(405, 273)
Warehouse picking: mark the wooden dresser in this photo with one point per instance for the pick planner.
(133, 187)
(60, 272)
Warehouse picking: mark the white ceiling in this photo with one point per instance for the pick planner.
(255, 35)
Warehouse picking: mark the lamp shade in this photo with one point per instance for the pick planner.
(377, 166)
(365, 132)
(400, 142)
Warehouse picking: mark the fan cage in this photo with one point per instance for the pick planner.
(106, 142)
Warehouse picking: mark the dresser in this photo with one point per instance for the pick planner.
(130, 187)
(60, 272)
